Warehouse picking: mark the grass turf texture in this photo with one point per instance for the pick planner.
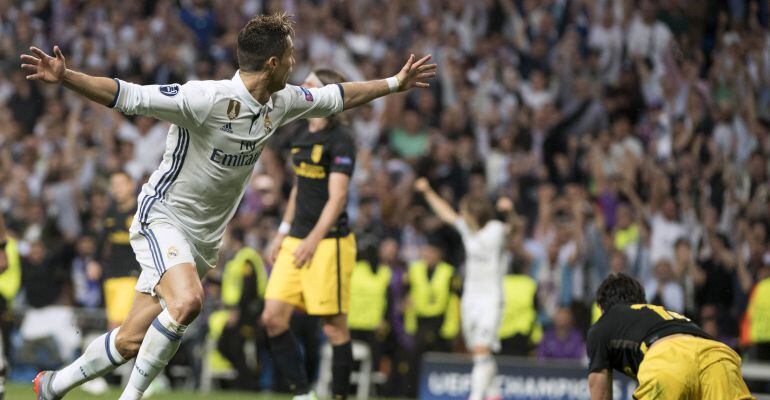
(24, 392)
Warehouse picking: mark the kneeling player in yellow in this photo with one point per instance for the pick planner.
(313, 264)
(670, 357)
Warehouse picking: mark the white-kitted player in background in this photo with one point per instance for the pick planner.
(484, 240)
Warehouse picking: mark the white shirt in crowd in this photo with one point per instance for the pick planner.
(663, 236)
(645, 40)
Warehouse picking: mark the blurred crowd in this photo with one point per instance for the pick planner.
(626, 135)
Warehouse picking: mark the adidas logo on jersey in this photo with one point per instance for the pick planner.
(228, 127)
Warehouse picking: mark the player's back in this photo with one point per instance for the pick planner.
(623, 334)
(484, 261)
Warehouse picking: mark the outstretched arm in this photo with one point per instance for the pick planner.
(413, 74)
(443, 210)
(184, 105)
(42, 67)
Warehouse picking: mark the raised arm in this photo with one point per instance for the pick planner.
(42, 67)
(184, 105)
(413, 74)
(443, 210)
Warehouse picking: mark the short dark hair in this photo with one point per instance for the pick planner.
(619, 288)
(328, 76)
(479, 207)
(263, 37)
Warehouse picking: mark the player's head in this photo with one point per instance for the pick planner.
(321, 77)
(619, 288)
(122, 187)
(265, 45)
(477, 210)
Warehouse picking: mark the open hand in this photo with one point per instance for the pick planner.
(304, 252)
(42, 67)
(275, 247)
(415, 73)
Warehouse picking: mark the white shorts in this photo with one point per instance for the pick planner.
(159, 246)
(481, 321)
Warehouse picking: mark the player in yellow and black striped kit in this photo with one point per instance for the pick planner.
(670, 357)
(315, 251)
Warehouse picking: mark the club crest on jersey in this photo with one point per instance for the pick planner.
(233, 108)
(172, 252)
(169, 90)
(315, 154)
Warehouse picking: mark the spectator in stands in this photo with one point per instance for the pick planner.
(663, 289)
(562, 340)
(86, 274)
(46, 291)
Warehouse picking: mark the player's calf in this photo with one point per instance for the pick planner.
(336, 330)
(127, 344)
(182, 292)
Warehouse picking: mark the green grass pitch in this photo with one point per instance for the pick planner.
(24, 392)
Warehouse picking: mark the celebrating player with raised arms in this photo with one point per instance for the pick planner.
(482, 301)
(217, 134)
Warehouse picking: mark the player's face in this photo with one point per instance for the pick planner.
(121, 187)
(283, 69)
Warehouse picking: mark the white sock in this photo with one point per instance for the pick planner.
(160, 344)
(100, 357)
(484, 370)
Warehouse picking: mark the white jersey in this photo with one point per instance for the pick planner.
(217, 135)
(484, 262)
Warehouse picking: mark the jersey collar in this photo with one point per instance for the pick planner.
(252, 103)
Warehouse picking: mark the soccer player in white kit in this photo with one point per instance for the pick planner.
(482, 300)
(218, 132)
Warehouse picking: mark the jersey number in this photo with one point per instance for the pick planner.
(665, 314)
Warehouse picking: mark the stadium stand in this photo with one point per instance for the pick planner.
(629, 135)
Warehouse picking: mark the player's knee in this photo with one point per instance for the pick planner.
(186, 308)
(337, 332)
(274, 323)
(127, 346)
